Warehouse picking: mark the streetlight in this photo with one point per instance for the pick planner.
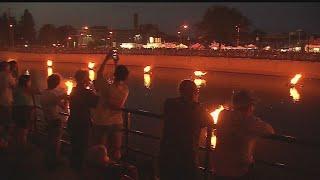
(185, 26)
(11, 34)
(68, 41)
(238, 38)
(86, 27)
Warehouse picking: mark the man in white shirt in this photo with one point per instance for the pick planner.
(107, 116)
(237, 131)
(52, 101)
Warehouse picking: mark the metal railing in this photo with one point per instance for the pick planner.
(208, 147)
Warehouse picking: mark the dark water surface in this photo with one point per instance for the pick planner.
(299, 118)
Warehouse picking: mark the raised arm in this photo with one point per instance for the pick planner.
(101, 69)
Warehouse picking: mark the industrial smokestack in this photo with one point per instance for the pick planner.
(135, 21)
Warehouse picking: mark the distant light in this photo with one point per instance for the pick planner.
(199, 73)
(81, 34)
(26, 45)
(110, 32)
(27, 72)
(151, 39)
(179, 32)
(54, 45)
(69, 38)
(147, 69)
(297, 48)
(127, 45)
(316, 49)
(11, 25)
(86, 27)
(185, 26)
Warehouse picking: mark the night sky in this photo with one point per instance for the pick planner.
(270, 17)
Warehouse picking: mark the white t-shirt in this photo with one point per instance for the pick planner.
(110, 94)
(7, 81)
(50, 103)
(236, 139)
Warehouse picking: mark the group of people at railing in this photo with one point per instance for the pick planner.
(230, 53)
(95, 126)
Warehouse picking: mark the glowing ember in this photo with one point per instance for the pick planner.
(69, 85)
(295, 79)
(91, 65)
(91, 75)
(199, 82)
(199, 73)
(147, 69)
(294, 94)
(215, 114)
(147, 80)
(50, 71)
(49, 63)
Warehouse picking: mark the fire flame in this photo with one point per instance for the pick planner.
(49, 63)
(69, 85)
(91, 65)
(91, 75)
(294, 94)
(50, 71)
(295, 79)
(147, 69)
(199, 82)
(147, 80)
(199, 73)
(215, 113)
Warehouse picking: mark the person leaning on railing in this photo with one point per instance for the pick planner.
(184, 118)
(237, 131)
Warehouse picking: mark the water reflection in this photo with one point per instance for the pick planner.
(147, 80)
(147, 69)
(294, 94)
(91, 75)
(50, 71)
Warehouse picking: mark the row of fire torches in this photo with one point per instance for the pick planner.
(198, 80)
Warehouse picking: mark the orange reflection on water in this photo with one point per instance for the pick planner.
(147, 80)
(91, 75)
(294, 94)
(50, 71)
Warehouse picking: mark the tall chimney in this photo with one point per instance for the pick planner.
(135, 21)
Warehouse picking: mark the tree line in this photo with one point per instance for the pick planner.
(219, 23)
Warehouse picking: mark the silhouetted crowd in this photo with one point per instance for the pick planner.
(95, 126)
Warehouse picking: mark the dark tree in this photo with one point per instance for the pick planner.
(219, 24)
(4, 30)
(147, 30)
(63, 32)
(26, 26)
(47, 34)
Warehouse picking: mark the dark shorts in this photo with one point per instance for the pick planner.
(22, 116)
(5, 115)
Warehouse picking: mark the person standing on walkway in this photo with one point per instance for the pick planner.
(183, 119)
(237, 131)
(108, 121)
(52, 99)
(82, 100)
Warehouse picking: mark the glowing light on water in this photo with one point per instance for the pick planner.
(69, 85)
(147, 69)
(50, 71)
(147, 80)
(91, 75)
(295, 79)
(49, 63)
(199, 82)
(294, 94)
(199, 73)
(91, 65)
(213, 140)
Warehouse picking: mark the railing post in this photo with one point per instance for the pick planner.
(126, 132)
(208, 152)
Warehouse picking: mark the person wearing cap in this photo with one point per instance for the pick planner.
(237, 131)
(183, 119)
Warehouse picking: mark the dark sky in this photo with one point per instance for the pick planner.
(271, 17)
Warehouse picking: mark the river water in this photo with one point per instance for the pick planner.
(290, 111)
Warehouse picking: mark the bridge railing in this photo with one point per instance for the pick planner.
(207, 148)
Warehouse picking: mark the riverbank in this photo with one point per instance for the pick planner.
(235, 65)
